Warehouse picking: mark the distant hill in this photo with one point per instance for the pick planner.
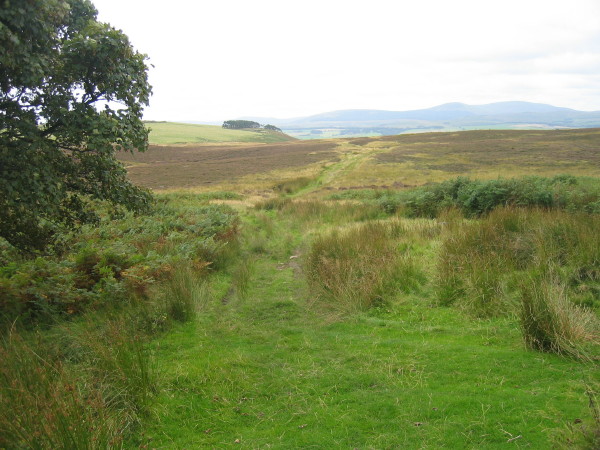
(449, 116)
(169, 133)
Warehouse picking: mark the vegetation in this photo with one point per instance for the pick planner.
(57, 147)
(272, 128)
(170, 133)
(475, 198)
(283, 311)
(76, 324)
(340, 165)
(240, 124)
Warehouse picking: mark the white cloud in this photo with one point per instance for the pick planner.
(220, 60)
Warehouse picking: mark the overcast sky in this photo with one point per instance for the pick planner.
(216, 60)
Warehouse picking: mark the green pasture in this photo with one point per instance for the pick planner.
(170, 133)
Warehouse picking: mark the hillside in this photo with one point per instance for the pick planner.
(171, 133)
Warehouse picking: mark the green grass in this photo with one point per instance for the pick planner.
(388, 380)
(272, 369)
(298, 322)
(168, 133)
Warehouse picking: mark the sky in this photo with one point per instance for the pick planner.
(219, 60)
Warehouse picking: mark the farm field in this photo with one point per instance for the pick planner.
(437, 290)
(170, 133)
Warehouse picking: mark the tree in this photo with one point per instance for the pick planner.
(240, 124)
(72, 92)
(272, 128)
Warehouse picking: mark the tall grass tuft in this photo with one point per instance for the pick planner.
(476, 257)
(293, 185)
(550, 322)
(360, 267)
(535, 264)
(183, 294)
(241, 277)
(43, 404)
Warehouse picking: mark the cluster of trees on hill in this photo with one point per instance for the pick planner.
(241, 124)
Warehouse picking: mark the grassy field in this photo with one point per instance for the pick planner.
(170, 133)
(348, 293)
(269, 366)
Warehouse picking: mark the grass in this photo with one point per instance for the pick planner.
(171, 167)
(388, 162)
(274, 368)
(309, 311)
(169, 133)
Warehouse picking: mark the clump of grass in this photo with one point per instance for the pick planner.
(293, 185)
(360, 267)
(272, 204)
(219, 195)
(321, 211)
(46, 403)
(552, 323)
(476, 257)
(315, 211)
(532, 263)
(183, 295)
(241, 276)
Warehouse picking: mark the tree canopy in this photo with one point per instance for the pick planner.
(239, 124)
(72, 92)
(272, 128)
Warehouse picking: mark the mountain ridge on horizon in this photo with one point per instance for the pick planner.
(444, 117)
(506, 107)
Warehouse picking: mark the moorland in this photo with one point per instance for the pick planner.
(437, 290)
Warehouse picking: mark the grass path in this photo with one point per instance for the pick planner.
(265, 370)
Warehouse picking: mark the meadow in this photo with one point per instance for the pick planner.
(418, 291)
(170, 133)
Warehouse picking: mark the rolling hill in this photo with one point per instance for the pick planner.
(446, 117)
(170, 133)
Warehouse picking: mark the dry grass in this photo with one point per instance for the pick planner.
(168, 167)
(415, 159)
(390, 161)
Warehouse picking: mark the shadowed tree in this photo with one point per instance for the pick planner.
(72, 91)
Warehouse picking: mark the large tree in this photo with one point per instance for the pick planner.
(72, 91)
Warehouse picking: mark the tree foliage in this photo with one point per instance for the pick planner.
(72, 91)
(272, 128)
(239, 124)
